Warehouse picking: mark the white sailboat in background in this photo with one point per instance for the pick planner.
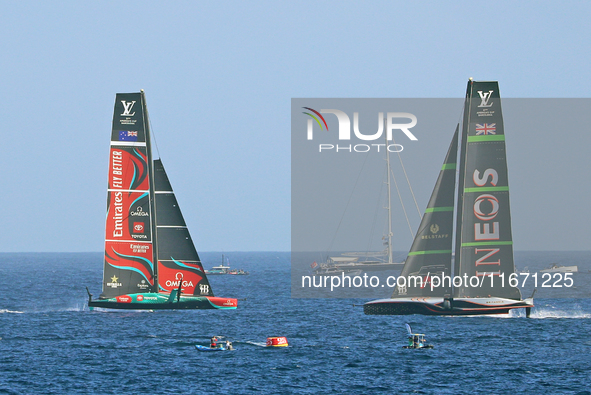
(225, 269)
(350, 262)
(556, 268)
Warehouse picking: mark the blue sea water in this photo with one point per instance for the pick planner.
(51, 344)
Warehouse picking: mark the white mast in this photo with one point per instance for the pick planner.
(389, 203)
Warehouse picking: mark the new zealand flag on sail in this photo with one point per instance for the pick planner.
(125, 135)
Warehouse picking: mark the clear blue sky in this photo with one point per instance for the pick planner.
(219, 77)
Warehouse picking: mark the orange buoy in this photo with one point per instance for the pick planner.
(277, 341)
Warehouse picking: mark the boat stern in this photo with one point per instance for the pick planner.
(222, 303)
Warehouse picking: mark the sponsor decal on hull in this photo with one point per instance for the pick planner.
(123, 299)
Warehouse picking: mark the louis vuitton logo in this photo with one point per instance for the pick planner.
(485, 98)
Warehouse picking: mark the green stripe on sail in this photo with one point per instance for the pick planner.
(487, 243)
(437, 209)
(489, 137)
(487, 189)
(448, 166)
(429, 252)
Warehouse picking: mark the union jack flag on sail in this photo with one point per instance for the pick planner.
(486, 128)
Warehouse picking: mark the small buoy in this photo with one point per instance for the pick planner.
(277, 341)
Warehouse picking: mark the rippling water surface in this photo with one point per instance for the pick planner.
(50, 342)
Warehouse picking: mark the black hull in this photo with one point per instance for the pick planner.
(423, 306)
